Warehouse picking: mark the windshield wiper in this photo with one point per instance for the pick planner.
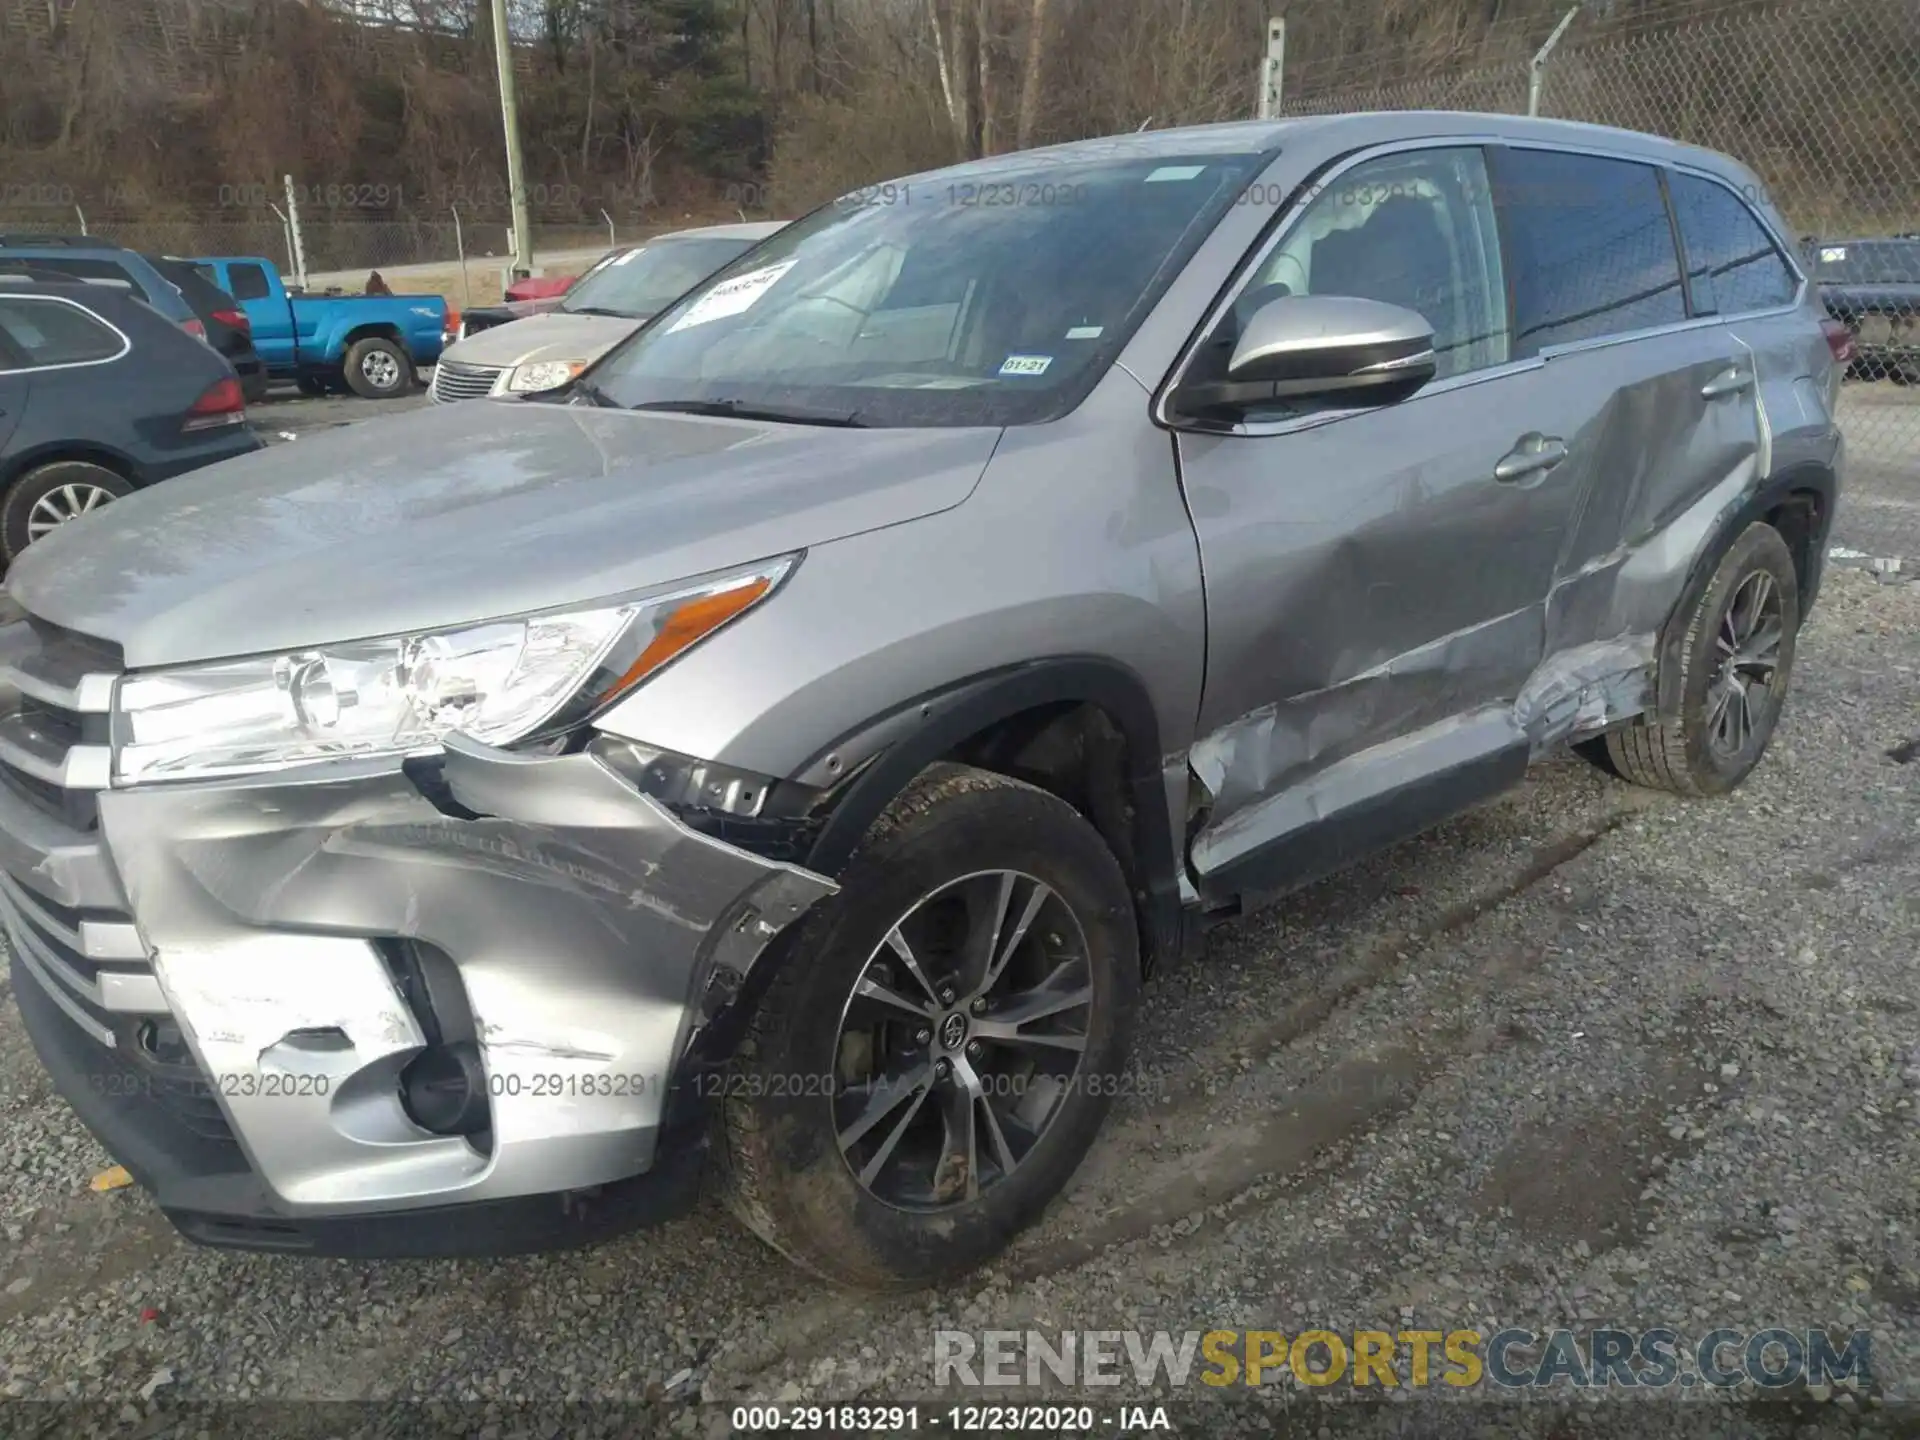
(592, 394)
(603, 310)
(743, 410)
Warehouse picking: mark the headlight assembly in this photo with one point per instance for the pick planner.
(543, 375)
(498, 682)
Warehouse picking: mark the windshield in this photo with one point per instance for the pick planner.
(1884, 262)
(944, 300)
(649, 278)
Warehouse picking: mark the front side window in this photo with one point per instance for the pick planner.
(648, 278)
(966, 298)
(1589, 247)
(1733, 266)
(54, 332)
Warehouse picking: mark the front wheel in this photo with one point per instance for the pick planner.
(1735, 661)
(941, 1041)
(378, 369)
(43, 500)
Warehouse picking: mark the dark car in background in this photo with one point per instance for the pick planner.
(1872, 287)
(228, 329)
(91, 259)
(101, 395)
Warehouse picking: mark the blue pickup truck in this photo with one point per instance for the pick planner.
(373, 343)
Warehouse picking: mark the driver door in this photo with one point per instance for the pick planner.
(1376, 578)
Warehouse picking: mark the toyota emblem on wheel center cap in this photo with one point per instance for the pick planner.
(953, 1031)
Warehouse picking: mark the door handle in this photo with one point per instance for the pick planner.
(1535, 455)
(1727, 382)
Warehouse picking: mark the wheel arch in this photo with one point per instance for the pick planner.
(1800, 503)
(57, 452)
(1082, 727)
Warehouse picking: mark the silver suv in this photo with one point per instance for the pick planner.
(791, 744)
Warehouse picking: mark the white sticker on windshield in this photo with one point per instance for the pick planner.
(732, 297)
(1832, 254)
(1026, 365)
(1086, 332)
(1176, 172)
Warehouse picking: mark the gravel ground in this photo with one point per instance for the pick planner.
(1587, 1055)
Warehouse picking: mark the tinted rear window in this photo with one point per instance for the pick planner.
(1589, 248)
(1733, 266)
(86, 268)
(54, 332)
(200, 292)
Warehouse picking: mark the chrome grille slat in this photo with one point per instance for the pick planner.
(35, 749)
(74, 1010)
(126, 992)
(463, 382)
(93, 939)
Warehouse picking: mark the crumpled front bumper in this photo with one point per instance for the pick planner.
(592, 933)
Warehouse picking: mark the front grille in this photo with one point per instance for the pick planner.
(463, 382)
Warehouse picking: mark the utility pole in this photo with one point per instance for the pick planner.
(516, 167)
(1271, 67)
(1537, 72)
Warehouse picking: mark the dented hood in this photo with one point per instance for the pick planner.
(469, 512)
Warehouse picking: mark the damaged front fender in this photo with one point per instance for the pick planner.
(585, 922)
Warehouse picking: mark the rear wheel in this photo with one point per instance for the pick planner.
(378, 369)
(42, 500)
(1735, 662)
(942, 1038)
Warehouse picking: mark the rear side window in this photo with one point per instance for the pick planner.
(82, 268)
(1589, 248)
(54, 332)
(249, 282)
(1733, 266)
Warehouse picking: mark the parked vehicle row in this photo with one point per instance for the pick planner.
(789, 741)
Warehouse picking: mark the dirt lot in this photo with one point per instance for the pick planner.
(1587, 1055)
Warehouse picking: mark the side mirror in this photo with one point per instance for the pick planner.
(1341, 347)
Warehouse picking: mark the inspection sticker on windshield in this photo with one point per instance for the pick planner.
(1026, 365)
(1176, 172)
(732, 297)
(1833, 253)
(1086, 332)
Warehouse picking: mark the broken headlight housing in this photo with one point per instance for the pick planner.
(500, 682)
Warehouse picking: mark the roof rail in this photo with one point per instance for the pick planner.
(77, 242)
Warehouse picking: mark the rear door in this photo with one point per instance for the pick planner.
(1653, 403)
(1737, 270)
(15, 387)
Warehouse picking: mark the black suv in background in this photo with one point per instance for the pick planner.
(100, 395)
(228, 329)
(1873, 288)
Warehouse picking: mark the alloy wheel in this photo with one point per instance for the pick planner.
(1744, 691)
(62, 504)
(962, 1038)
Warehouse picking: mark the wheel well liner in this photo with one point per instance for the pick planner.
(935, 726)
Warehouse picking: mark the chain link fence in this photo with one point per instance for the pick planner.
(1820, 97)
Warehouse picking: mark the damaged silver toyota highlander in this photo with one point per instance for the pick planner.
(782, 752)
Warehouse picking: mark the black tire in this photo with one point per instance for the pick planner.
(378, 369)
(1691, 754)
(779, 1149)
(312, 385)
(64, 485)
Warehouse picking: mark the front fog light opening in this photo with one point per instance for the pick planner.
(443, 1089)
